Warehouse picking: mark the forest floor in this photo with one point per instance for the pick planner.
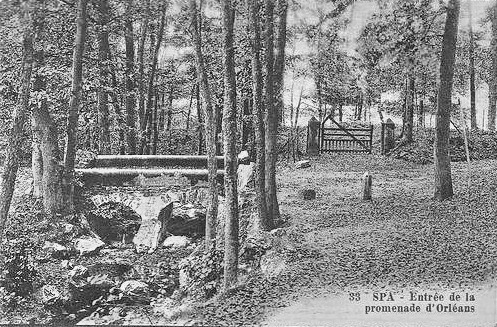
(400, 241)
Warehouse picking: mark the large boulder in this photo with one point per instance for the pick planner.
(83, 293)
(176, 242)
(114, 222)
(50, 295)
(302, 164)
(85, 288)
(134, 287)
(191, 223)
(56, 250)
(86, 245)
(135, 292)
(273, 264)
(78, 273)
(152, 231)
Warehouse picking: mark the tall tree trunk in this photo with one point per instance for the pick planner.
(443, 178)
(162, 114)
(257, 86)
(36, 161)
(74, 105)
(407, 137)
(39, 85)
(320, 101)
(189, 113)
(200, 119)
(210, 129)
(279, 62)
(116, 103)
(421, 113)
(472, 86)
(271, 118)
(360, 104)
(15, 138)
(231, 242)
(141, 65)
(130, 79)
(493, 73)
(295, 140)
(148, 124)
(404, 109)
(491, 103)
(47, 171)
(155, 123)
(53, 200)
(245, 112)
(219, 114)
(170, 108)
(103, 63)
(340, 111)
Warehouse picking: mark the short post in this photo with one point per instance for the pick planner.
(367, 182)
(387, 136)
(313, 127)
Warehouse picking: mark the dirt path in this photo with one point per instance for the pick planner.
(400, 241)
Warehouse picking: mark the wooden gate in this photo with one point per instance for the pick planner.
(341, 139)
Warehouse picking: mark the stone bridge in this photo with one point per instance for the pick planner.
(148, 205)
(156, 211)
(155, 208)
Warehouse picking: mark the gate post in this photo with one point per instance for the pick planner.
(313, 127)
(387, 136)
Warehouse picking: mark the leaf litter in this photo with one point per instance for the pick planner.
(402, 238)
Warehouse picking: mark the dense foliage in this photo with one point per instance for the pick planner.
(19, 272)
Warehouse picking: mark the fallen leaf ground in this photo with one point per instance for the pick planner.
(402, 238)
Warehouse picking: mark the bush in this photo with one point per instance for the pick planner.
(19, 272)
(482, 145)
(203, 272)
